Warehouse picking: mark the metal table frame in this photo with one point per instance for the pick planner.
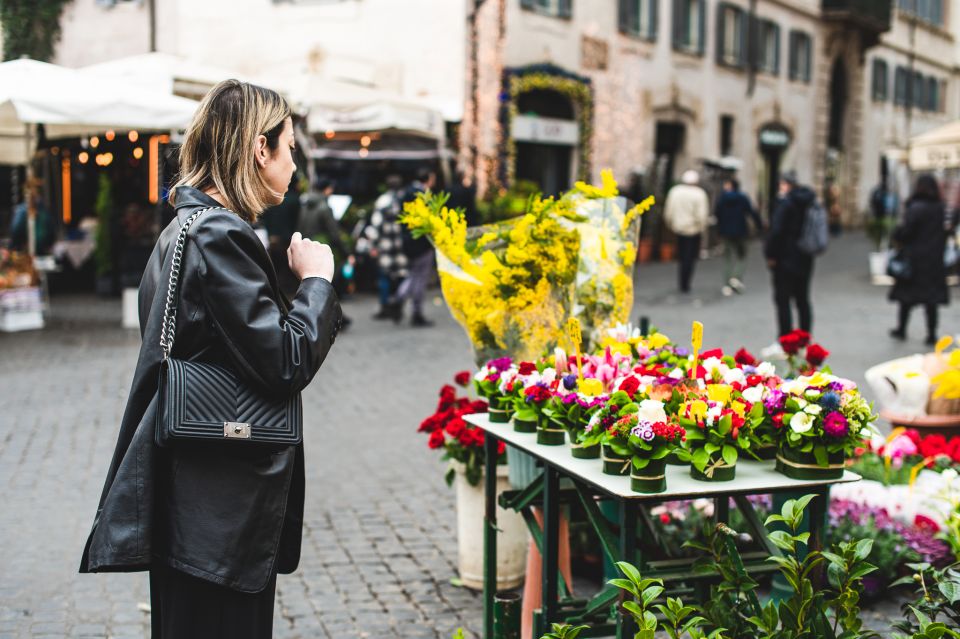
(621, 542)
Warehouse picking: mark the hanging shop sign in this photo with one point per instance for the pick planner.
(532, 128)
(774, 137)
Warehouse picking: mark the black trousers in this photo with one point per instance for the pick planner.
(688, 250)
(184, 607)
(789, 288)
(932, 316)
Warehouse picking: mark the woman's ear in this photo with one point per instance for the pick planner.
(262, 151)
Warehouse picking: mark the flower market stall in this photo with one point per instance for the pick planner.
(605, 411)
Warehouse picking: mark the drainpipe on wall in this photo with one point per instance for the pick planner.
(753, 33)
(152, 9)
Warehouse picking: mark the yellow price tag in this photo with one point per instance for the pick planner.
(576, 336)
(696, 340)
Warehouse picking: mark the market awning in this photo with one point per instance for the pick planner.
(70, 103)
(165, 73)
(337, 105)
(936, 149)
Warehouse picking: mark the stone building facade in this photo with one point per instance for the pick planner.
(558, 89)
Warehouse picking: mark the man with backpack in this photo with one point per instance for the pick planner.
(799, 231)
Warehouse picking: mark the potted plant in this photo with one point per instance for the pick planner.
(879, 229)
(539, 396)
(651, 443)
(572, 409)
(487, 382)
(463, 447)
(718, 427)
(820, 420)
(524, 413)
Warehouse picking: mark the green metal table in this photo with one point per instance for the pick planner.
(635, 528)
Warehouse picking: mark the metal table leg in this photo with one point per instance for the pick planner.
(551, 546)
(628, 552)
(489, 533)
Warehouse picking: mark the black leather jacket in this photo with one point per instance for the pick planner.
(229, 514)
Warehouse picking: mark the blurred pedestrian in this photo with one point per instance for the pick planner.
(318, 223)
(732, 210)
(215, 522)
(790, 265)
(382, 239)
(44, 225)
(463, 196)
(420, 256)
(687, 213)
(921, 239)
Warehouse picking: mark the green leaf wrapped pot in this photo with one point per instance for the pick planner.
(522, 424)
(651, 478)
(800, 465)
(550, 433)
(715, 468)
(500, 411)
(580, 451)
(614, 463)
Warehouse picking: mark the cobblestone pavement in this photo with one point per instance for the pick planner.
(379, 544)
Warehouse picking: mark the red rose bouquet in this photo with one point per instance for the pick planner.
(460, 441)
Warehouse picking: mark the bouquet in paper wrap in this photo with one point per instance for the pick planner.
(513, 284)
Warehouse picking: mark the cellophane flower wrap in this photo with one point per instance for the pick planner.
(509, 284)
(608, 249)
(513, 284)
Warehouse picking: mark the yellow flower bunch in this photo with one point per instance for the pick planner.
(513, 284)
(947, 382)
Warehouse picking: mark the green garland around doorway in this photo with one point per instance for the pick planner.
(579, 92)
(30, 28)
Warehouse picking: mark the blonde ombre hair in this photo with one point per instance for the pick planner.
(219, 149)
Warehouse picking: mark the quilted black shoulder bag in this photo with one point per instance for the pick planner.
(202, 401)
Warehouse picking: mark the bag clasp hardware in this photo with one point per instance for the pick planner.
(236, 430)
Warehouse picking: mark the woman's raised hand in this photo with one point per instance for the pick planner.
(310, 259)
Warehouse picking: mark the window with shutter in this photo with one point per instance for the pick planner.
(918, 97)
(768, 49)
(689, 25)
(731, 35)
(555, 8)
(637, 18)
(879, 81)
(801, 53)
(900, 89)
(933, 95)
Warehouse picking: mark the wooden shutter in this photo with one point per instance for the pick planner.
(702, 45)
(654, 18)
(566, 9)
(679, 24)
(623, 16)
(720, 31)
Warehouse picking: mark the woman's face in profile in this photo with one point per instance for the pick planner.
(277, 166)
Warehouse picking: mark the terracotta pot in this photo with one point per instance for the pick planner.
(666, 251)
(946, 425)
(644, 250)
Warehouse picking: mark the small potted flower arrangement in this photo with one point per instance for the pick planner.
(487, 382)
(524, 412)
(718, 426)
(821, 419)
(572, 408)
(540, 397)
(650, 444)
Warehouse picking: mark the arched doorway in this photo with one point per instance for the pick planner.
(546, 135)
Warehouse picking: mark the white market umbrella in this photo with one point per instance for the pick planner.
(936, 149)
(69, 103)
(164, 73)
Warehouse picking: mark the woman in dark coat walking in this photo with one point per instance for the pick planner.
(922, 238)
(215, 523)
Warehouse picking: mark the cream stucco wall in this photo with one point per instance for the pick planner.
(414, 47)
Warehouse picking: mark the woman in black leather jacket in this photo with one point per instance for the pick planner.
(215, 523)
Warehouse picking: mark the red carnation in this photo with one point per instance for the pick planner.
(436, 439)
(462, 378)
(953, 449)
(714, 352)
(527, 368)
(478, 406)
(630, 385)
(501, 448)
(753, 380)
(744, 358)
(429, 425)
(914, 436)
(816, 354)
(447, 395)
(664, 518)
(537, 394)
(802, 336)
(933, 445)
(790, 343)
(925, 523)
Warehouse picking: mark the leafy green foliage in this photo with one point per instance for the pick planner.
(30, 28)
(564, 631)
(936, 611)
(103, 254)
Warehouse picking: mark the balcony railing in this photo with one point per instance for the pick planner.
(874, 16)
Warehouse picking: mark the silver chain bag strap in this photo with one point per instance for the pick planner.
(206, 401)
